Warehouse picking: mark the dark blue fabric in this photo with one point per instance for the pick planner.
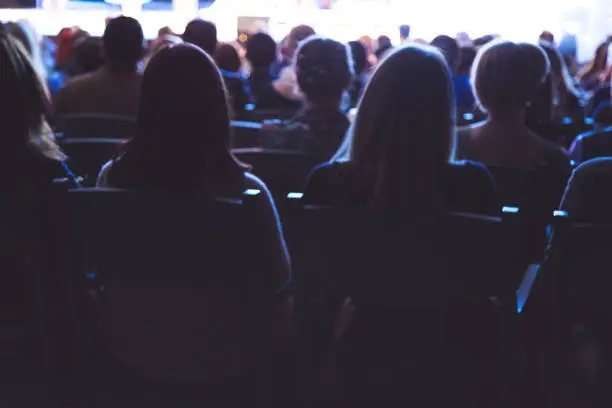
(463, 92)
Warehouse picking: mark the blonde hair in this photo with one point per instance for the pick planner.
(404, 128)
(24, 116)
(506, 76)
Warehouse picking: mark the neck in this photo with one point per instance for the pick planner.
(511, 119)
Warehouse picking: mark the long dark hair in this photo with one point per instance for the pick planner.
(26, 105)
(183, 125)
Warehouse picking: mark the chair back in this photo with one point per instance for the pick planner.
(283, 171)
(245, 134)
(414, 279)
(86, 156)
(95, 126)
(186, 288)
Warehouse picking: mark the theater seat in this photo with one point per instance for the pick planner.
(86, 156)
(95, 126)
(282, 171)
(187, 302)
(425, 330)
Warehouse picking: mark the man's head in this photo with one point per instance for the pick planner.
(261, 51)
(203, 34)
(123, 43)
(404, 32)
(449, 48)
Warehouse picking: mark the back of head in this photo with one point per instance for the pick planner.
(506, 76)
(261, 51)
(183, 123)
(547, 36)
(297, 35)
(88, 53)
(404, 128)
(323, 69)
(404, 30)
(24, 32)
(25, 104)
(360, 57)
(123, 43)
(227, 58)
(449, 48)
(203, 34)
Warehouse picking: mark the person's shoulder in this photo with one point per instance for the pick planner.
(555, 155)
(80, 81)
(468, 170)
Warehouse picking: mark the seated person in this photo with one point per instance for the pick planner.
(507, 78)
(262, 55)
(400, 150)
(113, 89)
(32, 162)
(229, 64)
(588, 196)
(324, 73)
(284, 93)
(464, 97)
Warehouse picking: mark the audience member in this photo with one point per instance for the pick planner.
(383, 45)
(261, 54)
(293, 40)
(184, 146)
(88, 55)
(361, 67)
(113, 89)
(28, 140)
(203, 34)
(506, 78)
(404, 30)
(324, 72)
(567, 98)
(464, 98)
(547, 37)
(596, 72)
(568, 48)
(228, 61)
(161, 42)
(286, 85)
(386, 161)
(25, 33)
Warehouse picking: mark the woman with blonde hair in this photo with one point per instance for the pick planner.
(28, 145)
(400, 148)
(507, 79)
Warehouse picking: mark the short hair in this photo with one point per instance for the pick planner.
(506, 76)
(261, 50)
(323, 68)
(88, 54)
(297, 35)
(227, 58)
(123, 42)
(360, 57)
(547, 36)
(449, 48)
(203, 34)
(404, 30)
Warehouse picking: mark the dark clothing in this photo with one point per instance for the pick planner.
(463, 92)
(269, 99)
(357, 88)
(588, 196)
(259, 81)
(464, 186)
(317, 132)
(238, 89)
(37, 185)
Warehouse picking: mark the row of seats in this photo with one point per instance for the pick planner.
(177, 288)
